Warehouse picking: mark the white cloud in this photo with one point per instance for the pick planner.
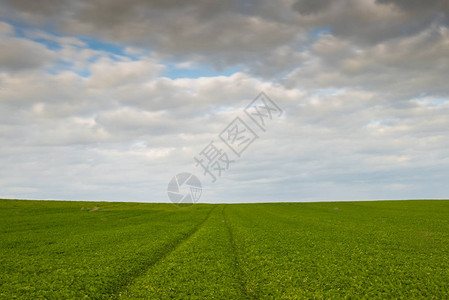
(108, 73)
(60, 40)
(362, 83)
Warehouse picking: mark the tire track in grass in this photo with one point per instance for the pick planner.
(159, 255)
(202, 267)
(237, 257)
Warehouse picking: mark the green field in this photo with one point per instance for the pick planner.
(65, 250)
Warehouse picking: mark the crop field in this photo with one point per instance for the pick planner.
(99, 250)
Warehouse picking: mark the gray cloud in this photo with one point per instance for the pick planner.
(307, 7)
(401, 68)
(417, 5)
(255, 35)
(15, 55)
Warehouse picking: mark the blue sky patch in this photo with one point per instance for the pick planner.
(204, 70)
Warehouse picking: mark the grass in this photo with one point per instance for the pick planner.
(65, 250)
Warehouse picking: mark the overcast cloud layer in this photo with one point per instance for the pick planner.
(107, 100)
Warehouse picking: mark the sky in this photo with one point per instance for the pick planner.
(108, 100)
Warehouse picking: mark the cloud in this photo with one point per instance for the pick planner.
(400, 68)
(15, 54)
(6, 29)
(107, 73)
(88, 111)
(435, 5)
(60, 40)
(215, 33)
(308, 7)
(263, 38)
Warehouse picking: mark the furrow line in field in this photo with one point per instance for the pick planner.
(160, 255)
(237, 259)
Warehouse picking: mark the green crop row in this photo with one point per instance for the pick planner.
(203, 267)
(50, 249)
(340, 250)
